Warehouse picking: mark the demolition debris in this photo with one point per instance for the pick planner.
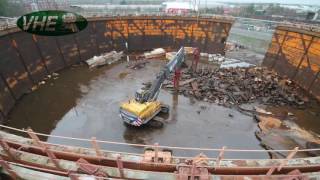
(238, 86)
(156, 53)
(106, 58)
(137, 64)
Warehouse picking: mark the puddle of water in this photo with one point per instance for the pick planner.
(123, 75)
(307, 119)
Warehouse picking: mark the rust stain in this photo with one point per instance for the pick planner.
(298, 56)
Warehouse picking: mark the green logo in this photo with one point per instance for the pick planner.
(52, 23)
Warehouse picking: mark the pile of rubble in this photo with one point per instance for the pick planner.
(103, 59)
(238, 86)
(156, 53)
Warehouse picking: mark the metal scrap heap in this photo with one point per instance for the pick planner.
(239, 86)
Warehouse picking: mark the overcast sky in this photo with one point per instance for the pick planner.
(309, 2)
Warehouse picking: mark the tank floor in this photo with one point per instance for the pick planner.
(84, 103)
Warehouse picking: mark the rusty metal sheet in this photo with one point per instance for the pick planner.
(50, 52)
(156, 42)
(305, 75)
(2, 118)
(199, 43)
(269, 60)
(33, 61)
(22, 66)
(167, 40)
(12, 69)
(119, 34)
(183, 33)
(137, 43)
(294, 53)
(145, 34)
(103, 36)
(6, 99)
(119, 44)
(137, 35)
(283, 67)
(86, 43)
(69, 49)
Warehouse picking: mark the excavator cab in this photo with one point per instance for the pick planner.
(139, 95)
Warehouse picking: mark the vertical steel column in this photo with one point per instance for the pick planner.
(35, 41)
(60, 52)
(77, 44)
(10, 171)
(96, 147)
(156, 152)
(94, 30)
(7, 84)
(112, 34)
(313, 80)
(305, 54)
(127, 41)
(280, 47)
(206, 41)
(5, 146)
(226, 30)
(120, 167)
(15, 46)
(283, 162)
(162, 35)
(2, 115)
(192, 29)
(220, 157)
(174, 35)
(44, 148)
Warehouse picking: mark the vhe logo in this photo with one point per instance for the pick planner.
(52, 23)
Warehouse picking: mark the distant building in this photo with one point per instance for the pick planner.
(36, 5)
(230, 10)
(179, 7)
(116, 8)
(260, 12)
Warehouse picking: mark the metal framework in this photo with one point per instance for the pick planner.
(294, 53)
(96, 161)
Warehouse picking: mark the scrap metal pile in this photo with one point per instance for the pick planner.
(240, 85)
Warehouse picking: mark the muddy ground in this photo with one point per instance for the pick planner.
(85, 103)
(246, 55)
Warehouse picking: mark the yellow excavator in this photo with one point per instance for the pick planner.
(145, 106)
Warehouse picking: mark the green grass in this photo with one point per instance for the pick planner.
(256, 45)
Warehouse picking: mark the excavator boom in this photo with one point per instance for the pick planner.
(152, 93)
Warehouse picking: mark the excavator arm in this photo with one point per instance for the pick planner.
(151, 94)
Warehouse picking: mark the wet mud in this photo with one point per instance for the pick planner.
(85, 103)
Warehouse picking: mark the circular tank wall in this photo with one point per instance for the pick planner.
(26, 59)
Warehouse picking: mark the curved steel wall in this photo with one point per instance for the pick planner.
(26, 59)
(295, 53)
